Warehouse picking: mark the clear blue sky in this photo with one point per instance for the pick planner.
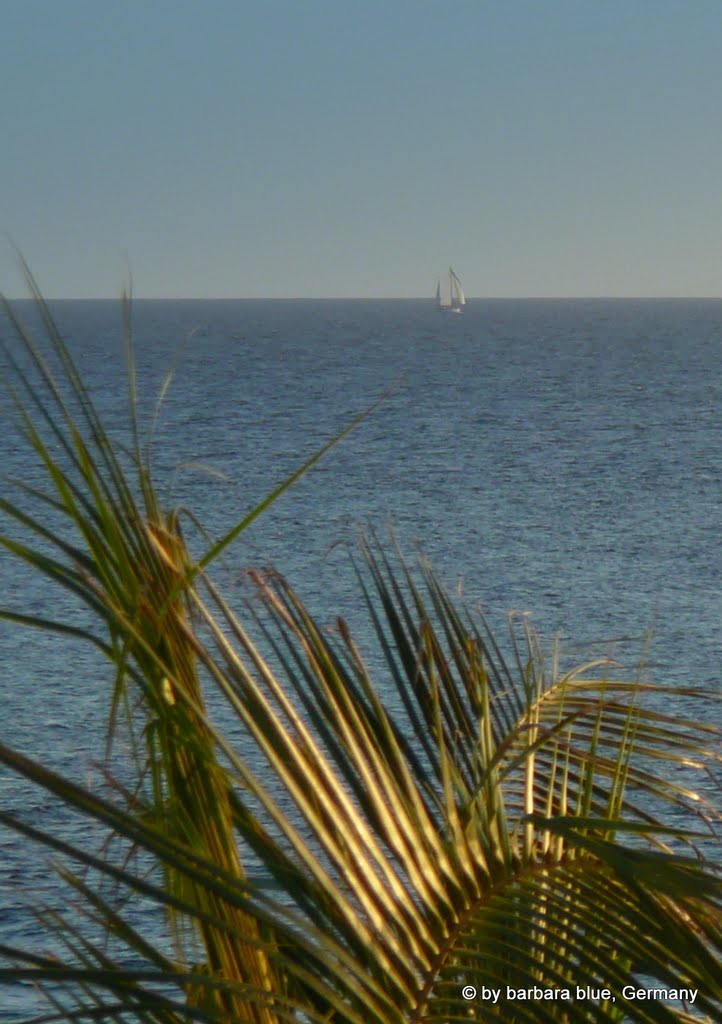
(356, 147)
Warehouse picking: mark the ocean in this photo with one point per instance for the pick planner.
(557, 458)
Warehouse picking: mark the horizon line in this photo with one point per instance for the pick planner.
(367, 298)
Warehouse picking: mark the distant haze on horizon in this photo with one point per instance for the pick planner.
(328, 149)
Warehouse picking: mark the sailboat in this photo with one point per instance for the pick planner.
(453, 299)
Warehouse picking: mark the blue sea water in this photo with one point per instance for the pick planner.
(561, 458)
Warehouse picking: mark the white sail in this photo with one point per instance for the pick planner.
(457, 292)
(453, 297)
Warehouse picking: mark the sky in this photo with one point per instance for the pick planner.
(343, 148)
